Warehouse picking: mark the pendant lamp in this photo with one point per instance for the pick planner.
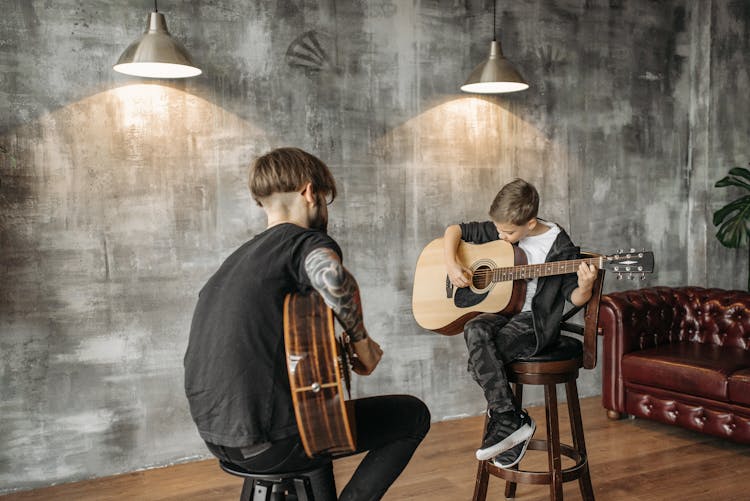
(156, 54)
(495, 75)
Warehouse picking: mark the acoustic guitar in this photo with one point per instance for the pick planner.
(499, 275)
(318, 366)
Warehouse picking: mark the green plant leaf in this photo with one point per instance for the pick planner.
(740, 171)
(737, 172)
(734, 234)
(731, 181)
(739, 205)
(733, 221)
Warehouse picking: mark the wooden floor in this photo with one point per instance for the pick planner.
(630, 460)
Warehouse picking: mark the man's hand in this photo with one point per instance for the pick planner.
(459, 275)
(367, 354)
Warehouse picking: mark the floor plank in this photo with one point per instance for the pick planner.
(631, 460)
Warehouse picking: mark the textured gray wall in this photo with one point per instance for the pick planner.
(120, 197)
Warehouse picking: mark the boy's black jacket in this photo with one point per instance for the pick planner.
(551, 291)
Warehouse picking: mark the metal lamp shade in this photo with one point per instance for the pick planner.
(156, 54)
(494, 76)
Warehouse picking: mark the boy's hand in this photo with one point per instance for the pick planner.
(367, 354)
(586, 277)
(459, 275)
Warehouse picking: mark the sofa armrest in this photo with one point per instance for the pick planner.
(623, 317)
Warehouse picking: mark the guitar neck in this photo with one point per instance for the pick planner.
(527, 271)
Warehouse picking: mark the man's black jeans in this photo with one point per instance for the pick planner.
(388, 427)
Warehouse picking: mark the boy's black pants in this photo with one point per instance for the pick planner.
(493, 342)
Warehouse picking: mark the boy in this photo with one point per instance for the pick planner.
(235, 366)
(494, 341)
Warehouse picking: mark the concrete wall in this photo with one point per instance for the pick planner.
(119, 197)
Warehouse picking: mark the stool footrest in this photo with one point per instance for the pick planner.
(543, 477)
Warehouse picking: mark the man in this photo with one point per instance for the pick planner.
(236, 379)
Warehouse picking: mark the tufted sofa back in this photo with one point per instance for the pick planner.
(662, 315)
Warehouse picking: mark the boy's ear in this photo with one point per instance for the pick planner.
(307, 193)
(532, 223)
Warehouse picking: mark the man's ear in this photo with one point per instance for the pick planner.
(308, 194)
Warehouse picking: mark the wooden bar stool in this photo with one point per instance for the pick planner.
(288, 486)
(558, 364)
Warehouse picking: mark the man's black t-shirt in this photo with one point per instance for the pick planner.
(235, 368)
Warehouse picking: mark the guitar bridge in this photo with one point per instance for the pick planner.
(448, 287)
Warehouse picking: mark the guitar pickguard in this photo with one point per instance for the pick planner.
(466, 298)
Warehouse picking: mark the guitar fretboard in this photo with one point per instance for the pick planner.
(527, 271)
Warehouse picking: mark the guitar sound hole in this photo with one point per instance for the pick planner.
(482, 277)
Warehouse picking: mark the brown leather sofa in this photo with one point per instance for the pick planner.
(679, 355)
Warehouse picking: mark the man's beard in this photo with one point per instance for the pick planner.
(319, 220)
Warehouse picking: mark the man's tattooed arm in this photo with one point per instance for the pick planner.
(338, 288)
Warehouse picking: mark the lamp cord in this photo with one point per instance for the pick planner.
(494, 20)
(156, 9)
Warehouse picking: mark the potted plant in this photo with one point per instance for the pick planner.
(733, 220)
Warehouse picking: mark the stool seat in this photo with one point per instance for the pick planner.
(278, 486)
(238, 471)
(566, 348)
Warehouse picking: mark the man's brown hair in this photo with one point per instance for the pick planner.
(289, 169)
(516, 203)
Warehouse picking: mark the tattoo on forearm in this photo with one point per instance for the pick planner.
(338, 289)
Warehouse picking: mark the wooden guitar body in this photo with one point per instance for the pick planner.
(317, 367)
(439, 306)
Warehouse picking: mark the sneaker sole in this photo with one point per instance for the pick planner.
(520, 456)
(525, 432)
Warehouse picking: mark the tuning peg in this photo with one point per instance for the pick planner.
(630, 276)
(619, 276)
(632, 249)
(643, 276)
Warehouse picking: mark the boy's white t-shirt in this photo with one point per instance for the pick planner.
(536, 249)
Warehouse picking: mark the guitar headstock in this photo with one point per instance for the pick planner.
(630, 264)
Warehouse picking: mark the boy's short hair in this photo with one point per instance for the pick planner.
(516, 203)
(288, 169)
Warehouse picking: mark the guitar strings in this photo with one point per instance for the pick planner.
(553, 264)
